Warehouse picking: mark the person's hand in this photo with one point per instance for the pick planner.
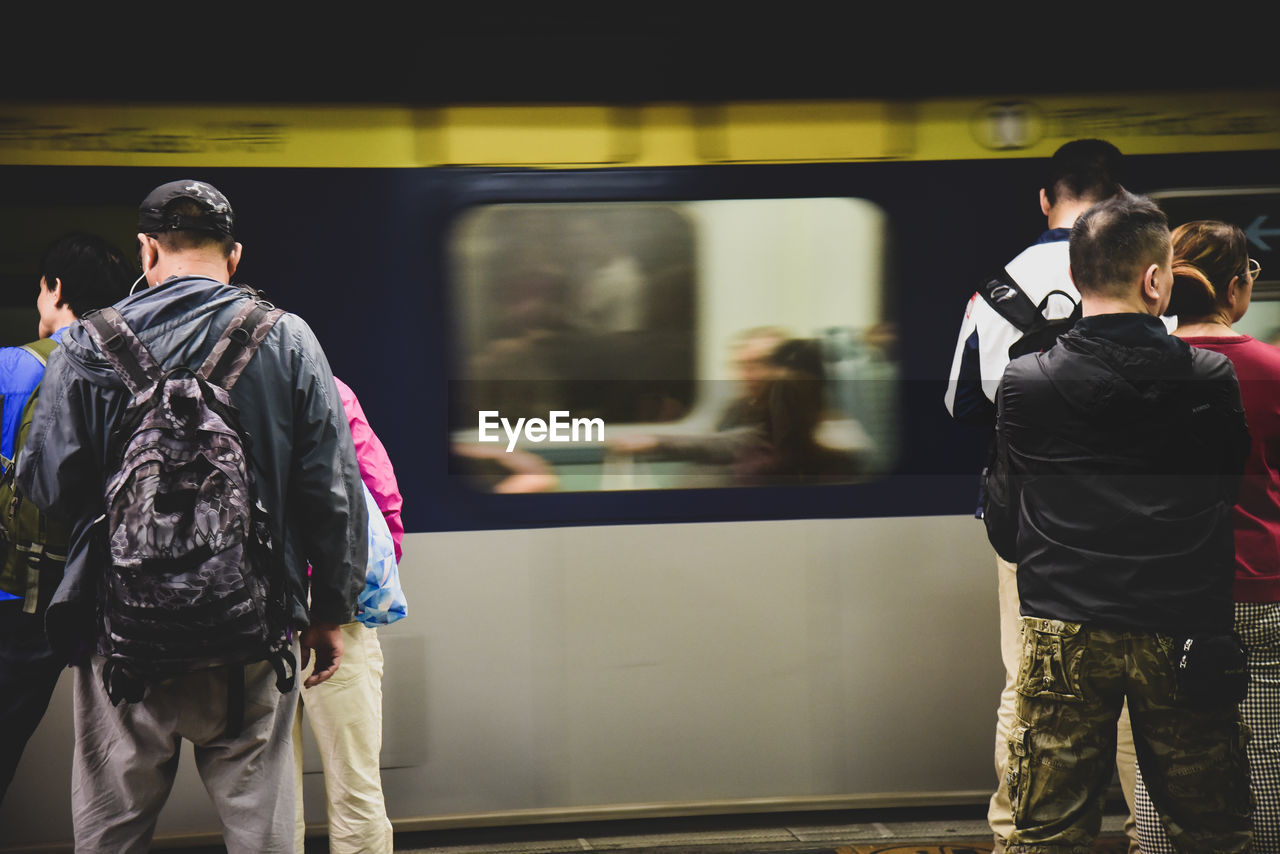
(326, 640)
(633, 444)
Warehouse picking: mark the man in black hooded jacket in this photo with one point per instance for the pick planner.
(1118, 457)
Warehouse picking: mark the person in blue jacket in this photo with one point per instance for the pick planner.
(78, 273)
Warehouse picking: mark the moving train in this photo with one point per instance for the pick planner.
(640, 637)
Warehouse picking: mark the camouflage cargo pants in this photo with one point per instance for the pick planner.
(1072, 681)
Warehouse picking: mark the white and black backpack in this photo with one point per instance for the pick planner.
(1039, 333)
(193, 581)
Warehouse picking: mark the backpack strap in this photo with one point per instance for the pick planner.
(238, 342)
(32, 531)
(1004, 295)
(1075, 312)
(122, 684)
(121, 347)
(41, 349)
(285, 664)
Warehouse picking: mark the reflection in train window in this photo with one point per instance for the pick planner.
(645, 346)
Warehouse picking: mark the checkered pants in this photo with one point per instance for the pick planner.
(1258, 625)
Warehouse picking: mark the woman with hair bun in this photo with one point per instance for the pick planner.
(1213, 278)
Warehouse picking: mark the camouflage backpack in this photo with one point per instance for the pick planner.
(33, 544)
(193, 581)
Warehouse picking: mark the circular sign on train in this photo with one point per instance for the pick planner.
(1007, 125)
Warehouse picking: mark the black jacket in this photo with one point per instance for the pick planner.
(1118, 459)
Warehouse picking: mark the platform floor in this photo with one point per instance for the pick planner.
(956, 831)
(953, 830)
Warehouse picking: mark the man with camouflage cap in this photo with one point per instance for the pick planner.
(1118, 457)
(304, 467)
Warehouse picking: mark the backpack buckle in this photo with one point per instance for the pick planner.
(240, 335)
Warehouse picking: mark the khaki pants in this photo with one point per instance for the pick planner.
(345, 713)
(998, 813)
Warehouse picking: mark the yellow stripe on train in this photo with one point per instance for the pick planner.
(596, 135)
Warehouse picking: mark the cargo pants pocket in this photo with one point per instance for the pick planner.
(1242, 797)
(1052, 654)
(1017, 775)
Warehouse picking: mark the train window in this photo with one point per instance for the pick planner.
(643, 345)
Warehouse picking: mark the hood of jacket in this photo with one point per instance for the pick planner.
(169, 319)
(1117, 364)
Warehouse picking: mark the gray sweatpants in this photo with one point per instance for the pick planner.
(126, 757)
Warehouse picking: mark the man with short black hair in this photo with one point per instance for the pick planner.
(307, 480)
(78, 273)
(1080, 173)
(1118, 457)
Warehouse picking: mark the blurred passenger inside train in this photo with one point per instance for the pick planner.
(495, 469)
(740, 424)
(863, 386)
(584, 310)
(752, 352)
(522, 366)
(1212, 287)
(770, 433)
(611, 289)
(1118, 457)
(796, 407)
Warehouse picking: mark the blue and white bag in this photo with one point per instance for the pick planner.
(382, 602)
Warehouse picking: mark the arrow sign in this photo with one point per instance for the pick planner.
(1255, 232)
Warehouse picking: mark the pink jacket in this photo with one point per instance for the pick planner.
(375, 465)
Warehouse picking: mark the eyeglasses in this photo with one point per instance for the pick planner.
(1255, 269)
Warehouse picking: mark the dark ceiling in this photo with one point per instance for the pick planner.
(527, 58)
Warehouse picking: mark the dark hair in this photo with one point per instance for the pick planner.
(801, 356)
(1207, 255)
(1086, 170)
(179, 240)
(1114, 241)
(94, 273)
(796, 397)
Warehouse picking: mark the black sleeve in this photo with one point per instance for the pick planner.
(1000, 503)
(326, 492)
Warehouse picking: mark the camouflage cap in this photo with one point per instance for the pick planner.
(216, 215)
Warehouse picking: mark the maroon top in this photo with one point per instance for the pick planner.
(1257, 515)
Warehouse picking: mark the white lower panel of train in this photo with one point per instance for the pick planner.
(653, 669)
